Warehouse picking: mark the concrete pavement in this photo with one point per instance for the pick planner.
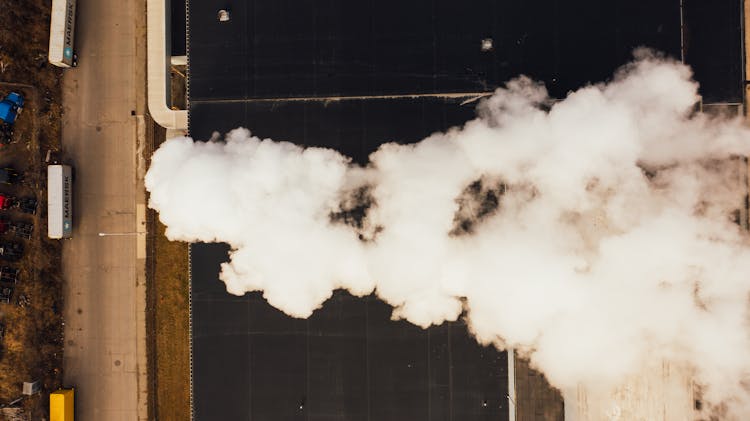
(103, 128)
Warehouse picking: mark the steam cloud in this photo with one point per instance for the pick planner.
(593, 234)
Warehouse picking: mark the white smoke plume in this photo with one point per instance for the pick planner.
(592, 234)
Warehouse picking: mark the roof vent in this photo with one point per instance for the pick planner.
(487, 45)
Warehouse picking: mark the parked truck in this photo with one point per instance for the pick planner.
(59, 201)
(11, 251)
(9, 275)
(23, 204)
(62, 34)
(17, 228)
(61, 405)
(10, 176)
(6, 293)
(10, 107)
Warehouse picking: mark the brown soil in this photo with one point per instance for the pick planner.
(32, 346)
(172, 329)
(178, 86)
(168, 323)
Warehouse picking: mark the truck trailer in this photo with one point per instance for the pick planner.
(62, 34)
(59, 201)
(61, 405)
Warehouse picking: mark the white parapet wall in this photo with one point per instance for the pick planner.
(663, 393)
(158, 69)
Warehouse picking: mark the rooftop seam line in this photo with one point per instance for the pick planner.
(456, 95)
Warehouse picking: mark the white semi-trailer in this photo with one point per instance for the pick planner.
(62, 33)
(59, 201)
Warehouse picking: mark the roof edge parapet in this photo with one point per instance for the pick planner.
(157, 69)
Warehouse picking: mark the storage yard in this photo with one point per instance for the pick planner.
(31, 286)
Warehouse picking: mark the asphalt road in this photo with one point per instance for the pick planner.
(103, 102)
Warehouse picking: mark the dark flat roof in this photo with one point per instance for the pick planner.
(349, 361)
(713, 47)
(346, 362)
(355, 128)
(279, 49)
(177, 27)
(337, 47)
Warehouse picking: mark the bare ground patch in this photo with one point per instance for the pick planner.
(33, 342)
(168, 322)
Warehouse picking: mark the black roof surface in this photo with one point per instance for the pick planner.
(178, 24)
(343, 47)
(279, 49)
(349, 361)
(346, 362)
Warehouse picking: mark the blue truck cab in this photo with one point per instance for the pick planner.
(10, 107)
